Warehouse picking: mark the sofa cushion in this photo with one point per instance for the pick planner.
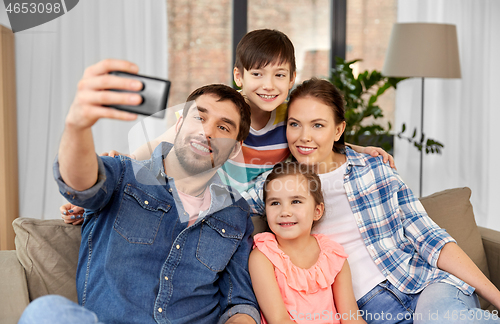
(48, 251)
(14, 292)
(452, 210)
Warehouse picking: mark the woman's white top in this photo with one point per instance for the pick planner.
(339, 224)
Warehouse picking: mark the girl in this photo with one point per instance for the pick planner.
(405, 268)
(299, 277)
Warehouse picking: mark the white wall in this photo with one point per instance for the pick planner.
(462, 113)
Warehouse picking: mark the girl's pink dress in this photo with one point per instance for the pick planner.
(307, 293)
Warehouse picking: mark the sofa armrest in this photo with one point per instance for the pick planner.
(14, 290)
(491, 243)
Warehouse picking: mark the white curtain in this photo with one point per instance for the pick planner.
(461, 113)
(51, 58)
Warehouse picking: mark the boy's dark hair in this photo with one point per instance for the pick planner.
(224, 93)
(260, 47)
(328, 94)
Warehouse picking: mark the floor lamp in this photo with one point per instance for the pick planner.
(422, 50)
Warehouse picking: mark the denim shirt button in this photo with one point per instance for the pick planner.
(223, 231)
(169, 189)
(177, 246)
(160, 310)
(146, 202)
(166, 278)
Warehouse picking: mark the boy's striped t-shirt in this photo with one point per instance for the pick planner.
(261, 150)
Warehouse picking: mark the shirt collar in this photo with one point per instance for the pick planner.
(354, 158)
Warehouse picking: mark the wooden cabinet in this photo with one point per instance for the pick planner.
(9, 186)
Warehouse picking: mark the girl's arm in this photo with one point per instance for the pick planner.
(266, 289)
(144, 152)
(453, 259)
(343, 296)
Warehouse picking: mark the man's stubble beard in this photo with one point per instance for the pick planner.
(195, 164)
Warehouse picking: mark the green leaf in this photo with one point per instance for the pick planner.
(382, 89)
(372, 100)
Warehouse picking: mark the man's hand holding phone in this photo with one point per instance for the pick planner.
(154, 93)
(78, 164)
(94, 94)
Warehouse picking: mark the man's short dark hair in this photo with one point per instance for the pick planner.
(260, 47)
(224, 92)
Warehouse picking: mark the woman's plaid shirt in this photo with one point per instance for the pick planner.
(403, 241)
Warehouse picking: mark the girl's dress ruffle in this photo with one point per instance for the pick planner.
(321, 275)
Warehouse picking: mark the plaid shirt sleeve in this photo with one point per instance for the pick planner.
(254, 196)
(401, 238)
(424, 234)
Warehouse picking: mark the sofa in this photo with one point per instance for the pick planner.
(46, 254)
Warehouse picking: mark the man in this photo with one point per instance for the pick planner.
(163, 241)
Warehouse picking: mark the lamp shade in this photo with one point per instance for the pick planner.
(423, 50)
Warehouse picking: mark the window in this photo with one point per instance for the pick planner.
(306, 23)
(199, 36)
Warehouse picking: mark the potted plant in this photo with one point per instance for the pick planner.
(361, 93)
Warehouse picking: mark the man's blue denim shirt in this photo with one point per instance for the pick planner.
(140, 263)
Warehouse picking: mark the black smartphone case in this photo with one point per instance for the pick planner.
(154, 95)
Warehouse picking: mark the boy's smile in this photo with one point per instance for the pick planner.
(268, 97)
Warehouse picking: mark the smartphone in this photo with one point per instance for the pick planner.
(154, 95)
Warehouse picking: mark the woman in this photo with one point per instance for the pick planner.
(404, 267)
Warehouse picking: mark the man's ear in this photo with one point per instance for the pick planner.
(238, 77)
(236, 149)
(178, 124)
